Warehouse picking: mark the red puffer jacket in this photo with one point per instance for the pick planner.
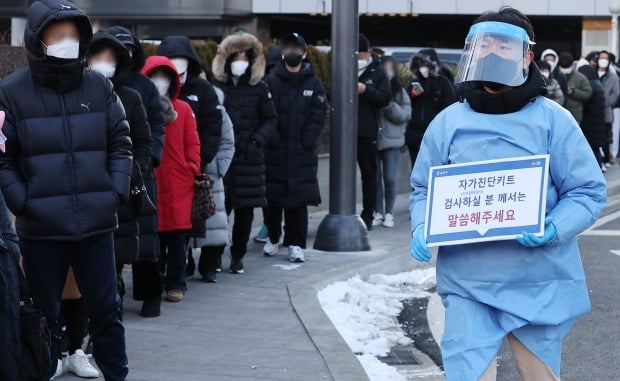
(180, 163)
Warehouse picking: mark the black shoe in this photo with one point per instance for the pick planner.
(210, 277)
(151, 307)
(236, 266)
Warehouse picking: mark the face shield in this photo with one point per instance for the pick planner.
(495, 52)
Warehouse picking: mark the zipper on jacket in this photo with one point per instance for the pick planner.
(71, 163)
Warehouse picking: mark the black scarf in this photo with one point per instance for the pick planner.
(507, 102)
(56, 73)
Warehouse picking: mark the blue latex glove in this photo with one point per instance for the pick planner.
(530, 240)
(419, 249)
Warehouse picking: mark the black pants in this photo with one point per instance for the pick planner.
(606, 150)
(367, 161)
(46, 264)
(173, 259)
(147, 282)
(210, 259)
(242, 227)
(76, 320)
(295, 220)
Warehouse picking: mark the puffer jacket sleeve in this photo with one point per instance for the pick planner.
(316, 120)
(140, 134)
(12, 181)
(119, 145)
(577, 178)
(156, 121)
(8, 232)
(399, 110)
(556, 92)
(378, 95)
(226, 150)
(209, 123)
(582, 90)
(267, 128)
(191, 142)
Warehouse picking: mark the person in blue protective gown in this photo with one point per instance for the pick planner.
(532, 289)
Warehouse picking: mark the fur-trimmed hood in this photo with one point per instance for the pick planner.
(232, 45)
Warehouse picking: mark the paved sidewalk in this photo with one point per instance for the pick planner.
(244, 327)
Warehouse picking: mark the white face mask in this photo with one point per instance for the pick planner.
(68, 49)
(362, 64)
(545, 74)
(566, 70)
(553, 64)
(603, 63)
(181, 64)
(238, 68)
(162, 84)
(390, 74)
(107, 69)
(425, 71)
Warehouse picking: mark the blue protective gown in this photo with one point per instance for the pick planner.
(492, 289)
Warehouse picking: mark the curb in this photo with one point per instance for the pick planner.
(340, 360)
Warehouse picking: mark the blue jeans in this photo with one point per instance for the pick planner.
(173, 260)
(387, 165)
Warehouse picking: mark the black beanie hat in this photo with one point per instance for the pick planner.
(364, 45)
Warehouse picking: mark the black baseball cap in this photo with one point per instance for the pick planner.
(295, 39)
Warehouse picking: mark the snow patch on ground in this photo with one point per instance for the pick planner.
(379, 371)
(287, 267)
(365, 311)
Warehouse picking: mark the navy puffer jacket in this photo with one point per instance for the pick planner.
(68, 158)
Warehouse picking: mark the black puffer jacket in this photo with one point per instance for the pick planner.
(149, 239)
(593, 122)
(68, 155)
(200, 95)
(143, 85)
(292, 163)
(376, 97)
(126, 237)
(10, 351)
(438, 94)
(249, 105)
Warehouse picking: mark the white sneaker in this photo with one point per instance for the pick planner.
(271, 249)
(79, 365)
(296, 254)
(59, 370)
(388, 221)
(377, 220)
(604, 168)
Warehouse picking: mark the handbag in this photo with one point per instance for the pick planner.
(35, 337)
(203, 205)
(139, 195)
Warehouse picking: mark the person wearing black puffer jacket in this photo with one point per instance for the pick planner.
(108, 56)
(64, 173)
(147, 280)
(197, 92)
(292, 164)
(430, 93)
(593, 124)
(238, 68)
